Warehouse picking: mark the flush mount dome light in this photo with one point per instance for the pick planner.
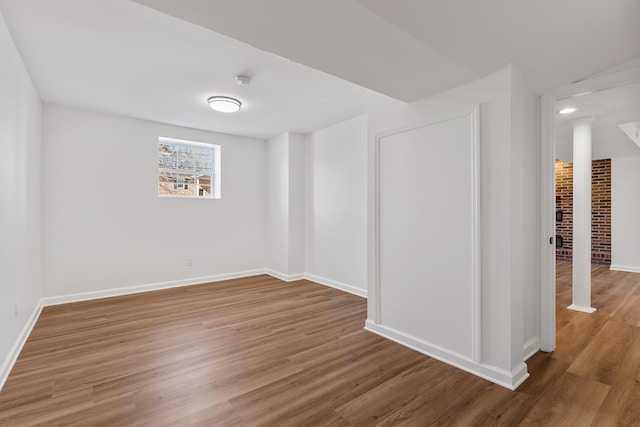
(567, 110)
(224, 104)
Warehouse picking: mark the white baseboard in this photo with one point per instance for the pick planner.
(575, 307)
(510, 380)
(332, 283)
(11, 358)
(85, 296)
(318, 279)
(106, 293)
(625, 268)
(531, 347)
(285, 277)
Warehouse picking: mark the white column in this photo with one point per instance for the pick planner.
(582, 215)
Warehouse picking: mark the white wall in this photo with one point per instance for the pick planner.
(278, 203)
(297, 224)
(427, 230)
(336, 213)
(285, 205)
(502, 152)
(625, 214)
(104, 225)
(531, 223)
(20, 195)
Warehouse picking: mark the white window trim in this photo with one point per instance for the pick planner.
(216, 175)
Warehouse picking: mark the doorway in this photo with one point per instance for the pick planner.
(593, 97)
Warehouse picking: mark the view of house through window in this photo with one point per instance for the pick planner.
(188, 169)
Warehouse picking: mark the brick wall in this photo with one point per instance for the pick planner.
(601, 211)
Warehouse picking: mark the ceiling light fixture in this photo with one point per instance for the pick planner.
(567, 110)
(224, 104)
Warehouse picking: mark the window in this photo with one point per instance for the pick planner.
(188, 169)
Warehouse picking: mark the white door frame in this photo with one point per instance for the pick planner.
(548, 191)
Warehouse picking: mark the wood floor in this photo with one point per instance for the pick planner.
(262, 352)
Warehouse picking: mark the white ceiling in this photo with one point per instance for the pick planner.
(119, 57)
(161, 62)
(339, 37)
(553, 42)
(609, 108)
(418, 47)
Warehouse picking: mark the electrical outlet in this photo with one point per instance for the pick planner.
(15, 309)
(189, 262)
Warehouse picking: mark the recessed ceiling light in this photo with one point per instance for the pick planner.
(567, 110)
(224, 104)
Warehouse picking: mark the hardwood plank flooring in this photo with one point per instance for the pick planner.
(572, 400)
(262, 352)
